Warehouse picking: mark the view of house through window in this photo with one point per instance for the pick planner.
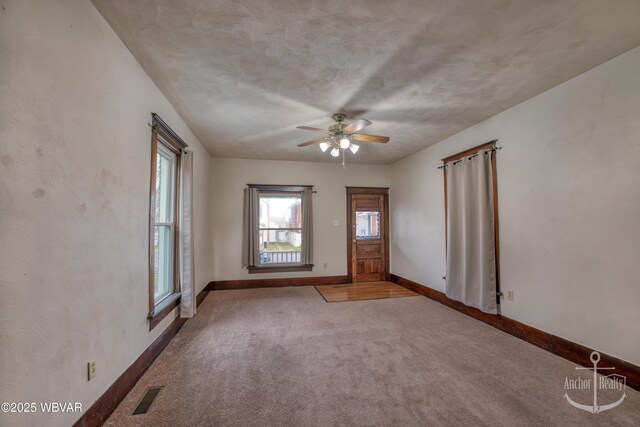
(367, 225)
(280, 228)
(164, 252)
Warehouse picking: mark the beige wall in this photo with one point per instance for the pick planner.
(74, 188)
(230, 177)
(74, 205)
(569, 201)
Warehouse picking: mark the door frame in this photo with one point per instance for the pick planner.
(383, 191)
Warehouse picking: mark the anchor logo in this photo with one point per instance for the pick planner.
(613, 381)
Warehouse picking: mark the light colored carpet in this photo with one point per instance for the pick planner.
(284, 357)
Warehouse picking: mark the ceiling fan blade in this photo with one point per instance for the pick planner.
(370, 138)
(356, 126)
(313, 141)
(312, 129)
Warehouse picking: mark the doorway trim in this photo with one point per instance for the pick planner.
(383, 191)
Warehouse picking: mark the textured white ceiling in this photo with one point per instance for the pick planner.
(245, 73)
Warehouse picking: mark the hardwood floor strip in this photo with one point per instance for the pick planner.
(363, 291)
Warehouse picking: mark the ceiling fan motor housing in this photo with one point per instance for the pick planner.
(336, 128)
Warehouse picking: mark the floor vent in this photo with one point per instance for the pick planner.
(147, 400)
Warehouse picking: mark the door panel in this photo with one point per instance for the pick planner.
(363, 249)
(368, 237)
(364, 204)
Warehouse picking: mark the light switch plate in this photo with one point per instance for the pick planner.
(91, 370)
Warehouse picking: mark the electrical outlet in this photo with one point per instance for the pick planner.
(510, 295)
(325, 265)
(91, 370)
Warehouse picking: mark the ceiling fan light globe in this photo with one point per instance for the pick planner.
(324, 146)
(344, 143)
(354, 148)
(335, 152)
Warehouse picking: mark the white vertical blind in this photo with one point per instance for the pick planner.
(251, 226)
(307, 227)
(471, 262)
(187, 282)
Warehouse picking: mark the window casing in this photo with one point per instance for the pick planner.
(164, 220)
(280, 229)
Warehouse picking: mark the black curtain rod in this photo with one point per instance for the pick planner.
(278, 185)
(470, 157)
(272, 188)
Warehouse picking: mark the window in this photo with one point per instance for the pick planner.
(164, 283)
(279, 229)
(367, 225)
(165, 225)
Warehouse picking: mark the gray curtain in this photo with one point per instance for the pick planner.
(187, 282)
(251, 228)
(471, 263)
(307, 227)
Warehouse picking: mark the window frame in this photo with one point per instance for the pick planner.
(161, 133)
(280, 190)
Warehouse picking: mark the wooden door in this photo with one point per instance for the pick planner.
(368, 226)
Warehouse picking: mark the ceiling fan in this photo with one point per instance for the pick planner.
(339, 137)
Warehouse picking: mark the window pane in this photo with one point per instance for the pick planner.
(280, 211)
(163, 262)
(165, 184)
(367, 225)
(280, 246)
